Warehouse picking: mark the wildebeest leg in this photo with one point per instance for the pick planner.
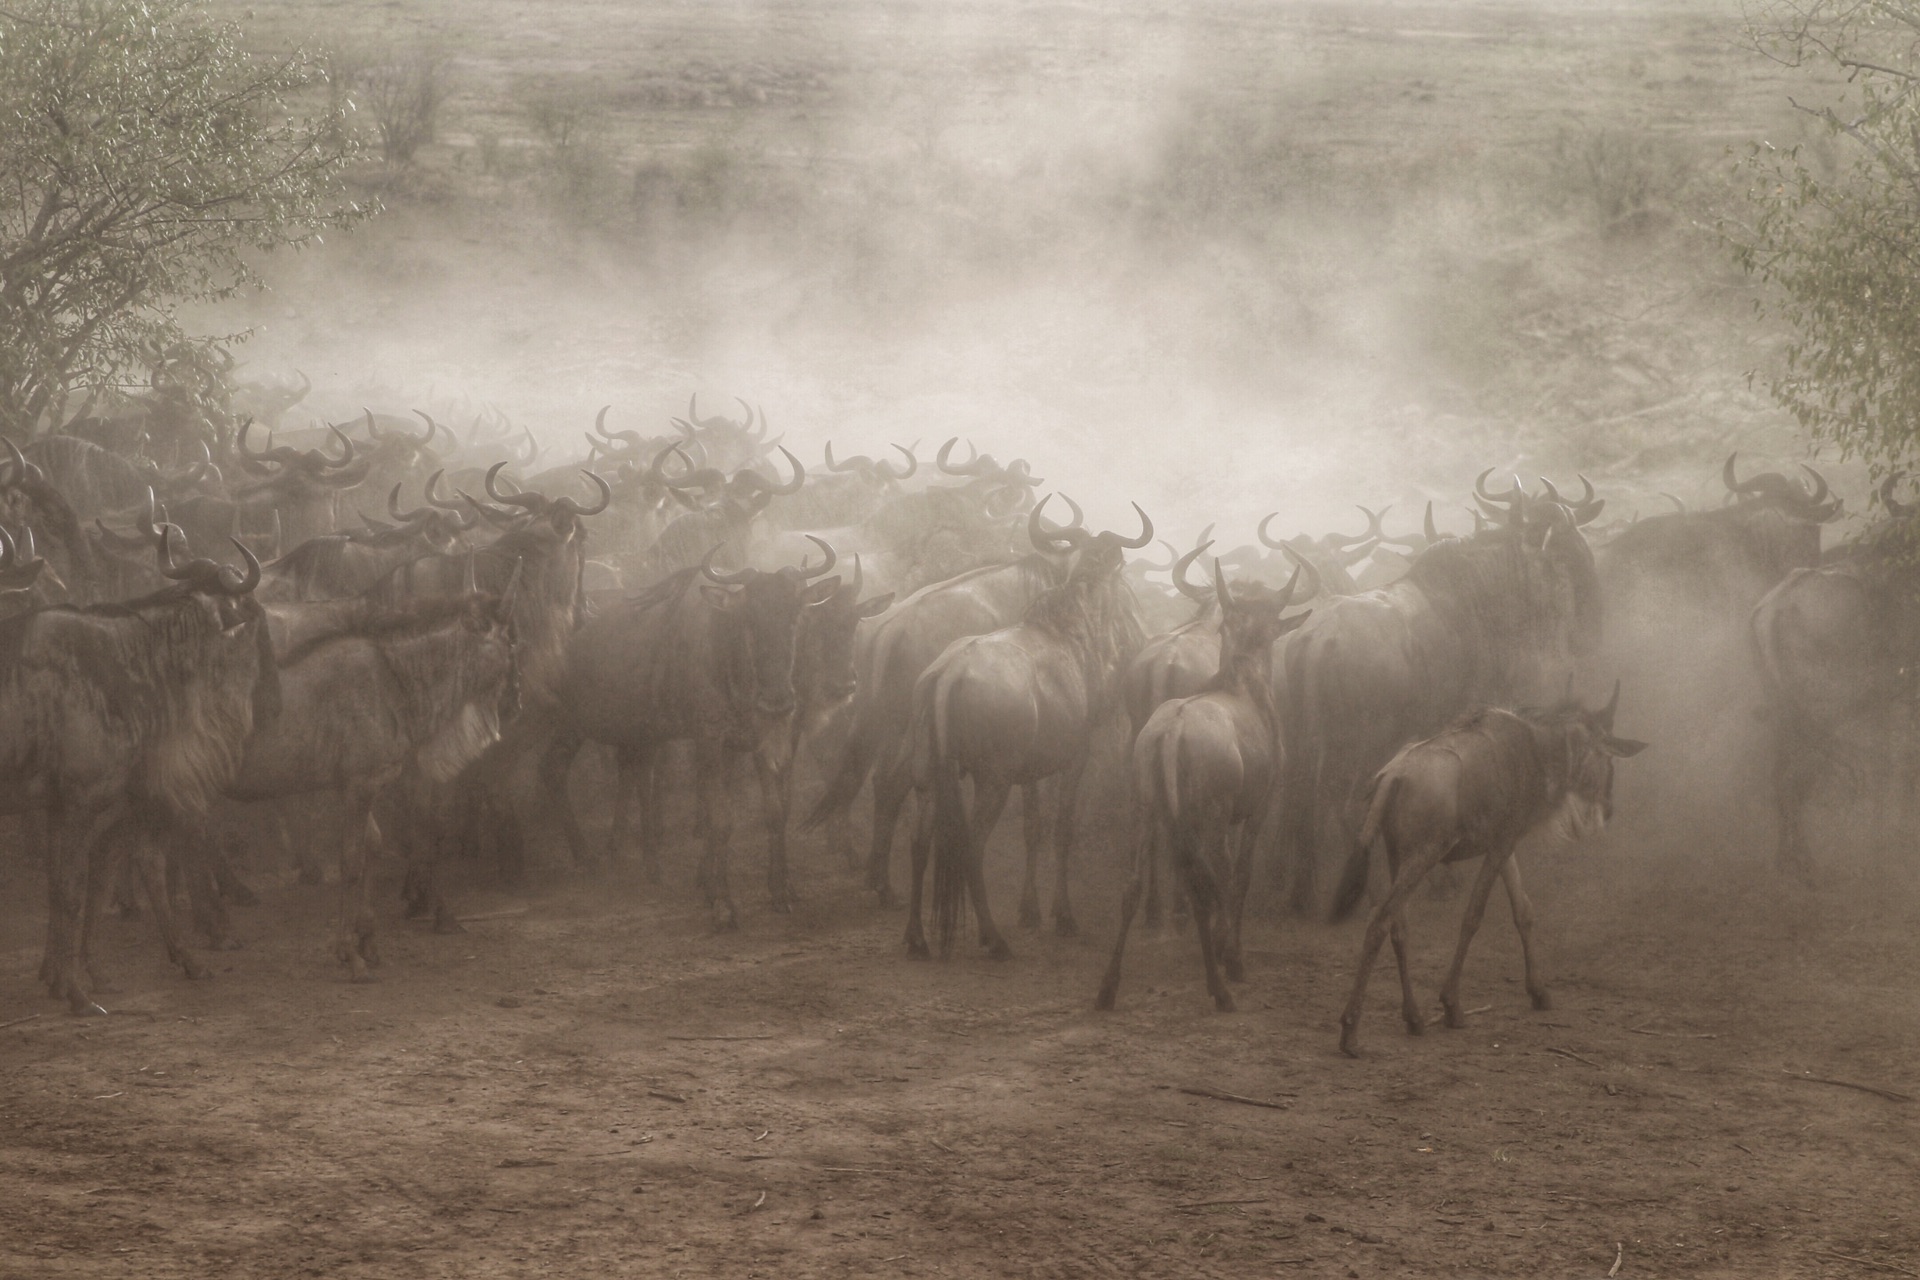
(892, 779)
(646, 782)
(775, 767)
(353, 941)
(1796, 753)
(624, 781)
(1241, 843)
(713, 765)
(989, 800)
(75, 850)
(556, 762)
(1389, 916)
(195, 861)
(1193, 854)
(227, 882)
(1469, 925)
(304, 852)
(1067, 800)
(1150, 860)
(150, 857)
(921, 849)
(1523, 923)
(1036, 818)
(1151, 838)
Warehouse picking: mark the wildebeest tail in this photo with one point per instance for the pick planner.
(857, 755)
(952, 834)
(1353, 879)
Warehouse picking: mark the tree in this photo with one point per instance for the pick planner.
(144, 158)
(1836, 228)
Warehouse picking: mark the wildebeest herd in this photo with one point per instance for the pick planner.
(901, 626)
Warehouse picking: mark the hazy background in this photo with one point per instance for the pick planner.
(1218, 257)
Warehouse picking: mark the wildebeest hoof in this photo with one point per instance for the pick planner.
(361, 977)
(999, 950)
(87, 1009)
(1235, 971)
(917, 949)
(1029, 915)
(194, 970)
(1542, 1000)
(1066, 927)
(1223, 1002)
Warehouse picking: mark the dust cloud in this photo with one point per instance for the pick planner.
(1221, 259)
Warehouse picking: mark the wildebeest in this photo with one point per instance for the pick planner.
(903, 644)
(339, 565)
(1333, 555)
(722, 521)
(128, 719)
(1497, 618)
(1017, 707)
(417, 692)
(1835, 647)
(704, 656)
(1203, 769)
(1473, 791)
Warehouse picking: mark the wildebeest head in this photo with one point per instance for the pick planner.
(286, 469)
(764, 610)
(228, 593)
(1098, 554)
(882, 474)
(1577, 746)
(823, 660)
(1771, 486)
(1250, 615)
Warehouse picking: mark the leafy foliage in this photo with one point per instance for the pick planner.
(143, 157)
(1835, 230)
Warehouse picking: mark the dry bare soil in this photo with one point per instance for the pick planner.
(602, 1085)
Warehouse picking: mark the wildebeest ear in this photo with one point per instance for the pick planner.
(875, 607)
(718, 597)
(819, 592)
(1621, 746)
(1288, 624)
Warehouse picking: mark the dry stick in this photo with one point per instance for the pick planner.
(17, 1021)
(1485, 1008)
(765, 1037)
(1201, 1091)
(1568, 1053)
(1214, 1204)
(1888, 1094)
(1866, 1262)
(1619, 1255)
(663, 1094)
(492, 915)
(1674, 1035)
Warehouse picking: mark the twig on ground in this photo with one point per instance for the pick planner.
(1216, 1204)
(1619, 1256)
(757, 1203)
(1744, 1147)
(943, 1146)
(765, 1037)
(1568, 1053)
(17, 1021)
(1442, 1015)
(664, 1095)
(1876, 1090)
(1201, 1091)
(502, 914)
(536, 1163)
(854, 1168)
(763, 1135)
(1674, 1035)
(1867, 1262)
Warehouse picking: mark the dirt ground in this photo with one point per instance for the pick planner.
(596, 1083)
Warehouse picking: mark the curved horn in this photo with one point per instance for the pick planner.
(495, 515)
(836, 466)
(799, 475)
(1173, 558)
(1261, 533)
(1341, 542)
(1316, 586)
(1146, 531)
(826, 549)
(533, 447)
(393, 505)
(16, 461)
(346, 459)
(1819, 495)
(606, 497)
(1678, 505)
(531, 501)
(373, 428)
(746, 423)
(600, 422)
(1188, 589)
(1605, 715)
(433, 493)
(1045, 539)
(6, 548)
(306, 385)
(432, 426)
(163, 553)
(1431, 530)
(686, 428)
(970, 467)
(913, 465)
(249, 580)
(725, 580)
